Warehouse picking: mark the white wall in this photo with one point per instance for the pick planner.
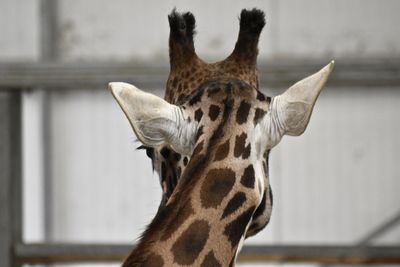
(103, 189)
(334, 184)
(138, 30)
(19, 30)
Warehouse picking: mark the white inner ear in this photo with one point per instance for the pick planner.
(291, 116)
(269, 131)
(155, 121)
(285, 116)
(290, 112)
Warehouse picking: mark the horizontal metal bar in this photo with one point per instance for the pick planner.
(70, 253)
(78, 253)
(365, 73)
(322, 254)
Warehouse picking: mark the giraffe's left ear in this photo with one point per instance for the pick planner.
(154, 121)
(290, 112)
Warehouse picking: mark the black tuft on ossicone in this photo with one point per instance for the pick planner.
(251, 24)
(182, 25)
(252, 21)
(181, 44)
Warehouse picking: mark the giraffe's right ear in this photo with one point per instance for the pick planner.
(154, 121)
(290, 112)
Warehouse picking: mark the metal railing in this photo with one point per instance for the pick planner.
(277, 73)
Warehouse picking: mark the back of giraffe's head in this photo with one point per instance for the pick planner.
(169, 129)
(157, 122)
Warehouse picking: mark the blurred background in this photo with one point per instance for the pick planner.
(85, 182)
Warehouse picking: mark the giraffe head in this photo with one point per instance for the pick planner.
(159, 123)
(188, 72)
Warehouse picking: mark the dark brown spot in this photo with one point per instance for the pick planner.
(232, 263)
(246, 152)
(198, 148)
(219, 131)
(242, 86)
(216, 186)
(243, 112)
(176, 156)
(170, 180)
(165, 152)
(189, 245)
(214, 89)
(229, 88)
(259, 113)
(265, 163)
(271, 196)
(248, 177)
(180, 217)
(235, 229)
(174, 82)
(196, 97)
(260, 212)
(253, 229)
(240, 146)
(163, 170)
(150, 152)
(199, 132)
(210, 261)
(214, 112)
(185, 161)
(180, 98)
(198, 114)
(261, 208)
(222, 151)
(260, 96)
(153, 260)
(233, 204)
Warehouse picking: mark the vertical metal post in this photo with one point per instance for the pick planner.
(48, 30)
(10, 176)
(49, 53)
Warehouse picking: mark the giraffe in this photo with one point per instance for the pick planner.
(225, 128)
(188, 72)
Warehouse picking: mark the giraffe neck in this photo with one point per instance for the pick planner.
(211, 208)
(204, 221)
